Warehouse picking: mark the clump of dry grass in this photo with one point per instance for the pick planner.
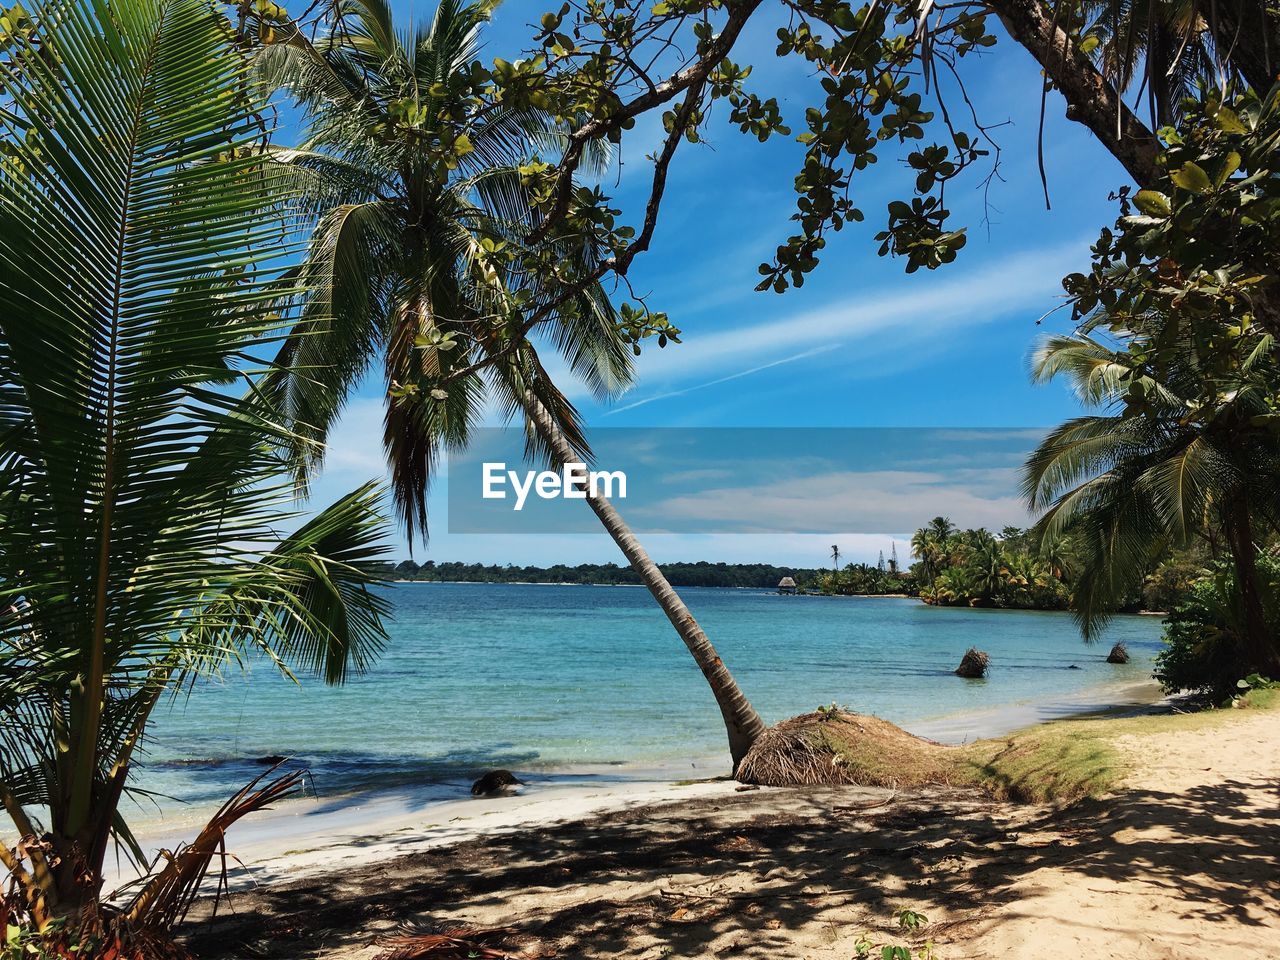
(833, 746)
(973, 665)
(1058, 763)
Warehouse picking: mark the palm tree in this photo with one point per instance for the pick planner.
(931, 545)
(139, 497)
(408, 258)
(835, 558)
(1167, 47)
(1165, 465)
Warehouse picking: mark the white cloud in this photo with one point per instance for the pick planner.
(725, 379)
(1026, 281)
(874, 501)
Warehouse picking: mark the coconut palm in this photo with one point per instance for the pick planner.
(412, 260)
(931, 548)
(942, 528)
(1164, 48)
(1165, 464)
(835, 558)
(139, 499)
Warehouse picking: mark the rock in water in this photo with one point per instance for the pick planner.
(495, 783)
(974, 664)
(1118, 654)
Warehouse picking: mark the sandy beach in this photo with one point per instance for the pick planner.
(1179, 862)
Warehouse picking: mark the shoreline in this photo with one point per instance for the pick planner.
(306, 835)
(1175, 863)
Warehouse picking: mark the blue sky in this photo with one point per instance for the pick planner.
(861, 344)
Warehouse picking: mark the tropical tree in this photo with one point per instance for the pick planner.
(1174, 345)
(1129, 485)
(930, 545)
(835, 558)
(1168, 47)
(942, 528)
(419, 257)
(140, 481)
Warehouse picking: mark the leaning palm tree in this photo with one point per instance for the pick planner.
(141, 483)
(1161, 466)
(412, 260)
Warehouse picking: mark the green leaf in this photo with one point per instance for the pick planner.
(1229, 166)
(1153, 203)
(1192, 178)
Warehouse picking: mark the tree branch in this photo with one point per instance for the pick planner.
(1091, 99)
(660, 93)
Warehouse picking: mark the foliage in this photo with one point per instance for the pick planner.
(1176, 342)
(140, 481)
(762, 576)
(421, 201)
(977, 569)
(1204, 635)
(888, 83)
(860, 579)
(1171, 581)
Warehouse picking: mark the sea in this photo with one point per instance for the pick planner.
(591, 682)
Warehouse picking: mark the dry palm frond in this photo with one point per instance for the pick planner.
(456, 944)
(833, 746)
(974, 664)
(167, 895)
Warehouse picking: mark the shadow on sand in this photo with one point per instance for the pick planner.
(771, 873)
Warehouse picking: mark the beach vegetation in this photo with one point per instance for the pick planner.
(1204, 635)
(861, 580)
(1176, 345)
(143, 484)
(1060, 763)
(977, 568)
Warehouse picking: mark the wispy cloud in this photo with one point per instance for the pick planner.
(1025, 282)
(725, 379)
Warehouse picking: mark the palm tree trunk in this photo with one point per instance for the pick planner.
(1259, 644)
(741, 721)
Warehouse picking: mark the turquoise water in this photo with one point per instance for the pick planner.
(551, 678)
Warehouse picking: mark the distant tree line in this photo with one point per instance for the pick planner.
(1013, 569)
(701, 574)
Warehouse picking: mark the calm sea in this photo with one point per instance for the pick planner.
(557, 679)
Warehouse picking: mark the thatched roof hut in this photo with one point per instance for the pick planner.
(787, 585)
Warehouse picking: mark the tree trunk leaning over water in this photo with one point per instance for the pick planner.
(741, 721)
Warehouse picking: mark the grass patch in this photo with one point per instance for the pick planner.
(1060, 762)
(1051, 763)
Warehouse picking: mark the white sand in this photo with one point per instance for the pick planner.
(311, 836)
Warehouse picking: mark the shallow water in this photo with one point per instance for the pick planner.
(588, 679)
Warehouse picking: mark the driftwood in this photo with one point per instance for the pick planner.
(974, 665)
